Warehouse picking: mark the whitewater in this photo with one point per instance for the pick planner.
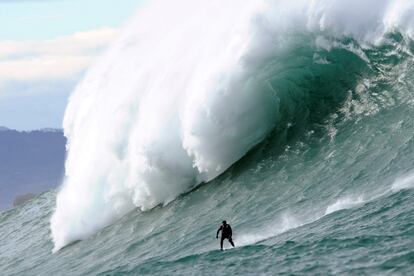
(292, 120)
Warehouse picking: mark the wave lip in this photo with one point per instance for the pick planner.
(184, 93)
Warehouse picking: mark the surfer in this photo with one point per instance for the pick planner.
(226, 233)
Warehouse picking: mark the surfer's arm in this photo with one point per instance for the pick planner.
(218, 231)
(231, 232)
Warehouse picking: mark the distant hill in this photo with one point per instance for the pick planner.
(30, 162)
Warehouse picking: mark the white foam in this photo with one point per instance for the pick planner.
(180, 97)
(345, 203)
(403, 182)
(279, 226)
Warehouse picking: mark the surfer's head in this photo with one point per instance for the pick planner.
(224, 222)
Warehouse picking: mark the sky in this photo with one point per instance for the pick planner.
(45, 48)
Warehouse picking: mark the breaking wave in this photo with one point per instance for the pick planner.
(189, 87)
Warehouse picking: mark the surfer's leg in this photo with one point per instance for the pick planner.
(221, 243)
(231, 242)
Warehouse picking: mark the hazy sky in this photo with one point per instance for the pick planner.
(45, 46)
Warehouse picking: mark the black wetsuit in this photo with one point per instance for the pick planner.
(226, 233)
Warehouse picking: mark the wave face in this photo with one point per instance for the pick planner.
(190, 87)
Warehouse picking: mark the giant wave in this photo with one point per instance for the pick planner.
(189, 87)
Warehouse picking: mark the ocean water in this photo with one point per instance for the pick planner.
(291, 121)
